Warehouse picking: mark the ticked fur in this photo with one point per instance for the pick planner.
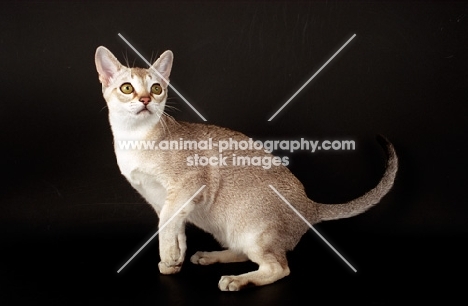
(237, 206)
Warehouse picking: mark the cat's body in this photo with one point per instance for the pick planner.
(237, 206)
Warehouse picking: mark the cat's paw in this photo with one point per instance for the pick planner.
(166, 268)
(171, 259)
(231, 283)
(202, 258)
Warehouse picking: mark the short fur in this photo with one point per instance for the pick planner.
(237, 206)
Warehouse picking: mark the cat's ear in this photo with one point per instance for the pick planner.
(107, 65)
(163, 65)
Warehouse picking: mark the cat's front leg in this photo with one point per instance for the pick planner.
(172, 239)
(172, 254)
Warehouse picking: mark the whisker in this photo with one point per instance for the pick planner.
(162, 121)
(169, 117)
(125, 56)
(172, 107)
(171, 99)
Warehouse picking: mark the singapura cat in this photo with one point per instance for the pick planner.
(237, 206)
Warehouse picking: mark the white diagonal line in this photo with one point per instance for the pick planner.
(169, 84)
(161, 228)
(310, 225)
(311, 78)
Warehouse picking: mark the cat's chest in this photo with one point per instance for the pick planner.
(128, 163)
(148, 184)
(134, 167)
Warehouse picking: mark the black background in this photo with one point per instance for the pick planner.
(69, 220)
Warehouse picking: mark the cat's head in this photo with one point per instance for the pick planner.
(134, 96)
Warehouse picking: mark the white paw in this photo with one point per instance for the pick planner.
(201, 258)
(230, 283)
(166, 268)
(171, 257)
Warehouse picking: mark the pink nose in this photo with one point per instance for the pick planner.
(145, 100)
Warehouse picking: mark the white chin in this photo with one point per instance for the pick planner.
(144, 112)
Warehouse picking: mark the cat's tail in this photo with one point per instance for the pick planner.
(363, 203)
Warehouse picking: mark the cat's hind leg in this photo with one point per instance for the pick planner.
(226, 256)
(272, 267)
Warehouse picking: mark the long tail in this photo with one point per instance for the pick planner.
(363, 203)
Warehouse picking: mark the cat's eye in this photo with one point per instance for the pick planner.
(126, 88)
(156, 89)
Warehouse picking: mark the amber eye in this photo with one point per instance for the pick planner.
(126, 88)
(156, 89)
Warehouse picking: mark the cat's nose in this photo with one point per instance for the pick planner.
(145, 100)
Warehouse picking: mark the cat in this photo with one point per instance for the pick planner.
(236, 206)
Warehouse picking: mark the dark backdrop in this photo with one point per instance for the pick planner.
(68, 220)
